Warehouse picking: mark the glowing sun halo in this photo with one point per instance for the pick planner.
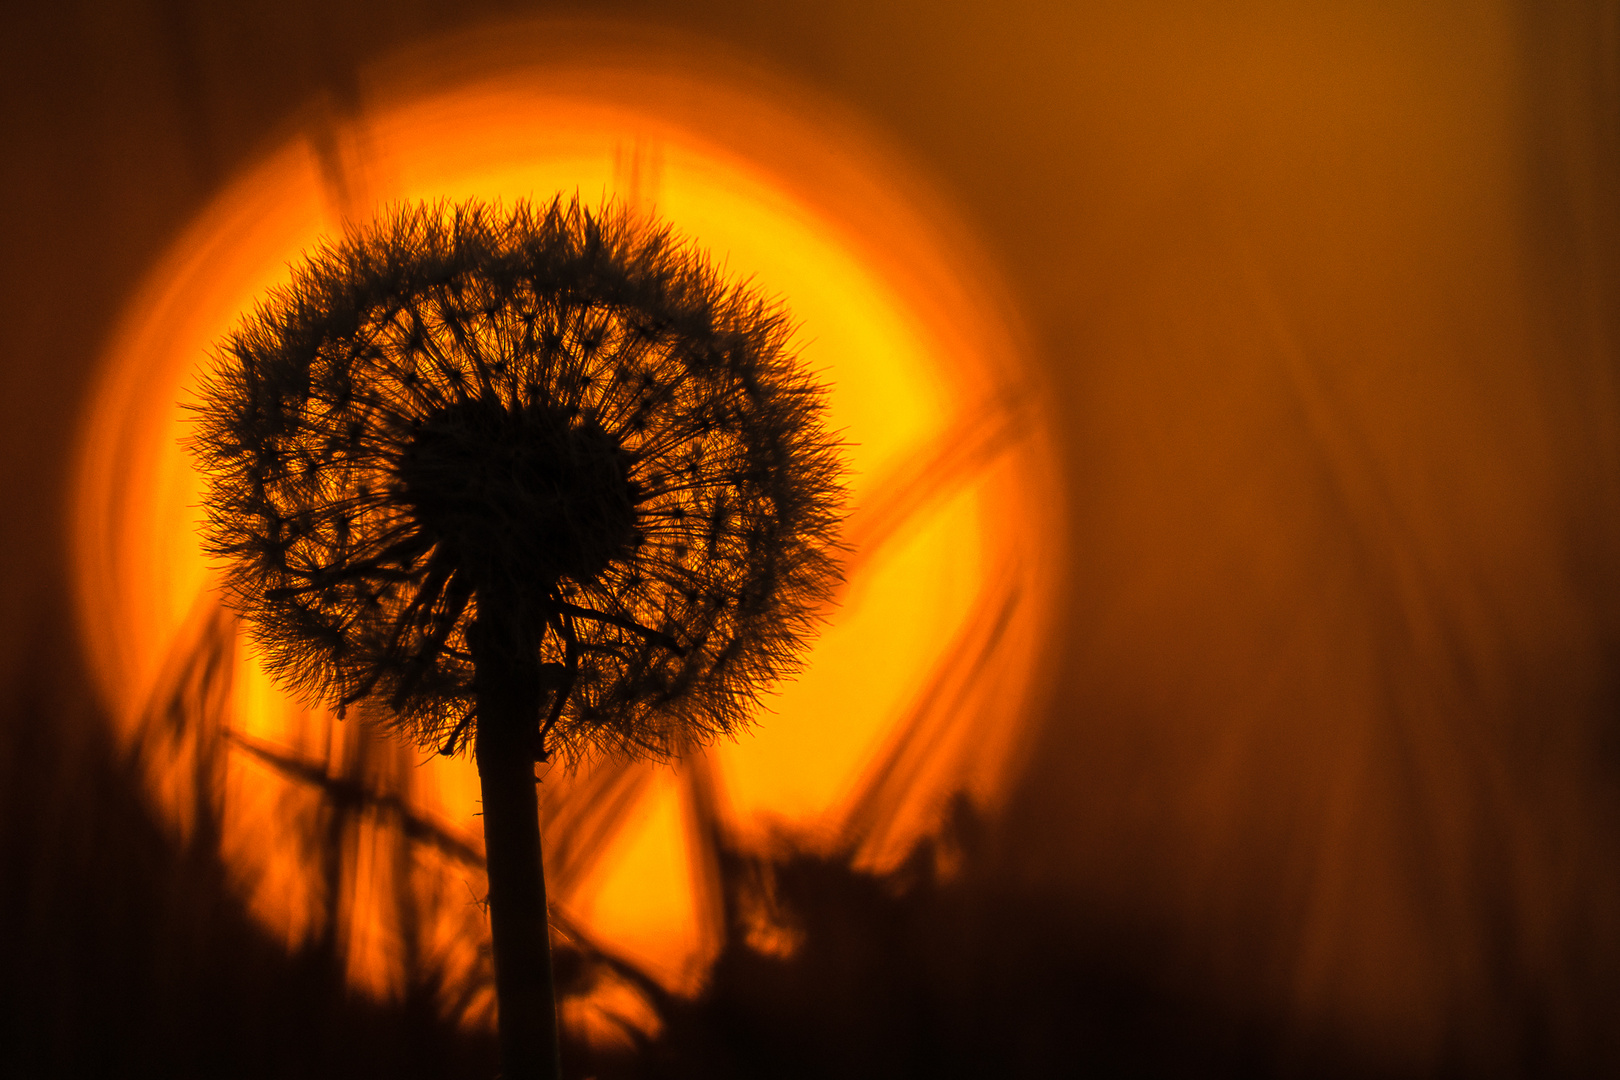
(914, 688)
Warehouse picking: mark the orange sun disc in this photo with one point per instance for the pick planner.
(918, 685)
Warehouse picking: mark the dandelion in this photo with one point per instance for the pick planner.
(534, 483)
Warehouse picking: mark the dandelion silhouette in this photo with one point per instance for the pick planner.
(536, 482)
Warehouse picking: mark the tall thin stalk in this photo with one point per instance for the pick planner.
(506, 684)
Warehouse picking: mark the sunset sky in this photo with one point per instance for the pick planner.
(1225, 681)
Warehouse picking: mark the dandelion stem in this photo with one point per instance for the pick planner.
(508, 688)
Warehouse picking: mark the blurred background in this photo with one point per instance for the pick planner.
(1317, 755)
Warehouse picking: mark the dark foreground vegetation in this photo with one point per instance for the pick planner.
(125, 954)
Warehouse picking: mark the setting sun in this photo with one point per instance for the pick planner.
(917, 683)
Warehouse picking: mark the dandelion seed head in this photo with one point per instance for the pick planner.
(563, 410)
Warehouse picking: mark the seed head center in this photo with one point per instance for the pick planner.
(520, 493)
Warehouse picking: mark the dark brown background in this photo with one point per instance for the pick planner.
(1328, 297)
